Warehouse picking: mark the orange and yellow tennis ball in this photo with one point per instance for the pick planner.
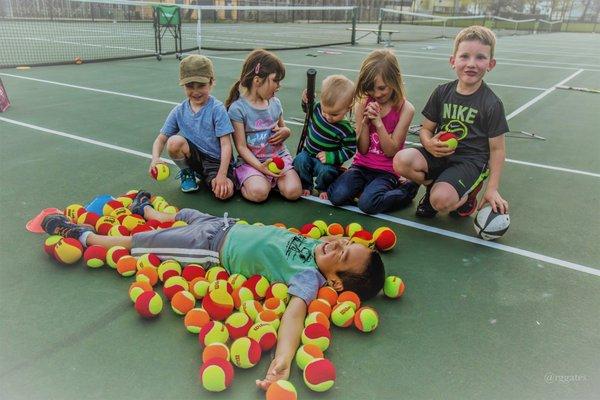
(238, 324)
(221, 284)
(320, 305)
(173, 285)
(218, 304)
(94, 256)
(319, 375)
(306, 353)
(167, 269)
(147, 274)
(245, 352)
(393, 287)
(216, 375)
(215, 350)
(236, 280)
(268, 317)
(213, 332)
(366, 319)
(281, 390)
(335, 229)
(193, 271)
(342, 314)
(352, 228)
(137, 288)
(127, 266)
(68, 250)
(215, 273)
(251, 308)
(258, 284)
(73, 211)
(264, 334)
(311, 231)
(132, 221)
(149, 304)
(276, 305)
(241, 295)
(49, 244)
(328, 294)
(195, 319)
(160, 172)
(317, 317)
(385, 238)
(350, 296)
(362, 237)
(199, 287)
(182, 302)
(114, 254)
(278, 290)
(318, 335)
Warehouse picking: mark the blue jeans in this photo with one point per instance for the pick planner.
(379, 191)
(309, 168)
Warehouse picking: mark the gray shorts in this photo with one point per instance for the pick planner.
(198, 242)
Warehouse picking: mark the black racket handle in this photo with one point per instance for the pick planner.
(311, 75)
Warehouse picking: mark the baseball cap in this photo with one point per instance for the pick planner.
(195, 68)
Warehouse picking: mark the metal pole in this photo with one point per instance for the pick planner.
(353, 39)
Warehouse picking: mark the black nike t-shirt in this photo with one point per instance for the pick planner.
(473, 118)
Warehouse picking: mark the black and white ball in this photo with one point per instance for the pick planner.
(490, 225)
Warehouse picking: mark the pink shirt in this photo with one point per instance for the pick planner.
(375, 158)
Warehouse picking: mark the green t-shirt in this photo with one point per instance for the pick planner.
(275, 253)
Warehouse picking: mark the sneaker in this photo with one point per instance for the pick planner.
(188, 180)
(141, 200)
(470, 205)
(425, 209)
(59, 224)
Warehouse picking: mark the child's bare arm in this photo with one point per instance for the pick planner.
(497, 156)
(290, 330)
(157, 149)
(221, 186)
(390, 144)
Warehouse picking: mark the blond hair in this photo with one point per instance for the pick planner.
(336, 88)
(479, 33)
(380, 62)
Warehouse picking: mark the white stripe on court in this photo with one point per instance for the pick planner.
(542, 95)
(416, 225)
(289, 122)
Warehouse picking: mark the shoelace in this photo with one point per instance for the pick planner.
(185, 174)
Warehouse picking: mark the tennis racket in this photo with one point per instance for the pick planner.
(311, 75)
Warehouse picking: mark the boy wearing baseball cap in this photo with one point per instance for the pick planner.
(197, 132)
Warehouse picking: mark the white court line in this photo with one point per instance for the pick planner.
(542, 95)
(416, 225)
(289, 122)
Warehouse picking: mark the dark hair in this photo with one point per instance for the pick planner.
(368, 283)
(259, 63)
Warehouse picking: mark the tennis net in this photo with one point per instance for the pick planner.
(507, 26)
(51, 32)
(549, 26)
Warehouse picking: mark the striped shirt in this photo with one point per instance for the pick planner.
(337, 140)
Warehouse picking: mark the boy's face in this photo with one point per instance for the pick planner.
(471, 61)
(197, 93)
(337, 112)
(268, 87)
(341, 255)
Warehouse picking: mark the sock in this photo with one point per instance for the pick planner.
(181, 163)
(83, 238)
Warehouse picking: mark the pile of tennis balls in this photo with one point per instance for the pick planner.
(235, 318)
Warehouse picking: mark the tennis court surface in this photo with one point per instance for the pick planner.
(512, 319)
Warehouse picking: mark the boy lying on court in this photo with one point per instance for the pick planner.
(302, 263)
(468, 108)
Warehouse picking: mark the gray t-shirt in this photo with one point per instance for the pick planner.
(474, 118)
(203, 128)
(258, 125)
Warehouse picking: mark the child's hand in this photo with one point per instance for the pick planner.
(499, 205)
(278, 369)
(322, 157)
(281, 133)
(436, 147)
(304, 97)
(222, 187)
(153, 164)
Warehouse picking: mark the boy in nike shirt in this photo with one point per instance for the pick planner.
(468, 108)
(304, 264)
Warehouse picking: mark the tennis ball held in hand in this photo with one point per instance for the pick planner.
(276, 165)
(160, 172)
(449, 139)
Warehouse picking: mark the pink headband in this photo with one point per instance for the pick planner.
(257, 69)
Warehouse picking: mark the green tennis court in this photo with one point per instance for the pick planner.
(512, 319)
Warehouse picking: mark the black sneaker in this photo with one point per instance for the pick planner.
(425, 209)
(59, 224)
(470, 205)
(141, 200)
